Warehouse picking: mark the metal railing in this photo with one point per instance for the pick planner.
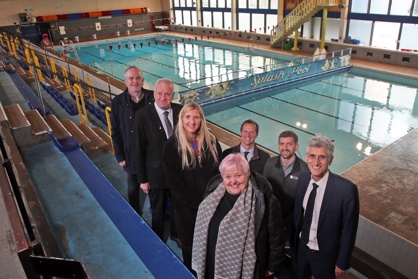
(299, 15)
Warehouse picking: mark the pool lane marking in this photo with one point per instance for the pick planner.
(313, 110)
(275, 120)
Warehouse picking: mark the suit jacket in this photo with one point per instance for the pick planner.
(258, 160)
(149, 139)
(338, 218)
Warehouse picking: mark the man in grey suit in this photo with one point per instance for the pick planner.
(326, 215)
(153, 125)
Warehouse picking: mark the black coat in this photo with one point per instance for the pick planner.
(268, 224)
(258, 160)
(150, 136)
(122, 120)
(187, 186)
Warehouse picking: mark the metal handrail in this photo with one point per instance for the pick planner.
(299, 15)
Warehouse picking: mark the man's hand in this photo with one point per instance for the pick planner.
(268, 274)
(339, 272)
(145, 187)
(122, 163)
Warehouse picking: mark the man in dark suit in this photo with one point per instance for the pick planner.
(124, 107)
(153, 125)
(326, 215)
(256, 157)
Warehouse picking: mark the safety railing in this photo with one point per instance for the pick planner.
(299, 15)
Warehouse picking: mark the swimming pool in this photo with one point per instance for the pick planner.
(361, 111)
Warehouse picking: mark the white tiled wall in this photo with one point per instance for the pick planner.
(387, 247)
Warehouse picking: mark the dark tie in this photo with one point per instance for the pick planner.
(246, 154)
(168, 124)
(307, 220)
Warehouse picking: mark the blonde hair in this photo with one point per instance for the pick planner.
(206, 140)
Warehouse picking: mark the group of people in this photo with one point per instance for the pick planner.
(232, 212)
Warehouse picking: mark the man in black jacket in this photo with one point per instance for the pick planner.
(282, 172)
(256, 157)
(124, 107)
(153, 125)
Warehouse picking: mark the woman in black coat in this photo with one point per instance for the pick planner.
(239, 229)
(190, 159)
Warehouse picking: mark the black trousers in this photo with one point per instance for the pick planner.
(158, 199)
(136, 197)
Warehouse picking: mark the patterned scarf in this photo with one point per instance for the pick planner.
(235, 248)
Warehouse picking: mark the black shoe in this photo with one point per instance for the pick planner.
(177, 241)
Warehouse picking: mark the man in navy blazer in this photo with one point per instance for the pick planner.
(325, 239)
(150, 134)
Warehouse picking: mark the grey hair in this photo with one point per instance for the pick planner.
(167, 81)
(321, 141)
(234, 161)
(130, 68)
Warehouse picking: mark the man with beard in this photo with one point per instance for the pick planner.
(282, 172)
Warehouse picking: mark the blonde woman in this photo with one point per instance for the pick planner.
(190, 159)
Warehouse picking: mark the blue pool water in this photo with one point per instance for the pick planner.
(361, 111)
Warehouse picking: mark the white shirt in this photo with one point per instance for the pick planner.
(162, 117)
(250, 154)
(320, 191)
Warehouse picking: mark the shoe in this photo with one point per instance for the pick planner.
(177, 241)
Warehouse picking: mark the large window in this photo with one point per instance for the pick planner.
(258, 23)
(207, 19)
(385, 35)
(186, 18)
(361, 30)
(178, 14)
(242, 4)
(244, 22)
(401, 7)
(391, 24)
(409, 37)
(379, 7)
(227, 21)
(218, 20)
(359, 6)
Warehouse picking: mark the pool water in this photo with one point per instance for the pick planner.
(360, 114)
(360, 111)
(189, 64)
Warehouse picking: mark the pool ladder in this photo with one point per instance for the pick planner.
(68, 45)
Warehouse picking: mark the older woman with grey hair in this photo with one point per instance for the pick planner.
(238, 232)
